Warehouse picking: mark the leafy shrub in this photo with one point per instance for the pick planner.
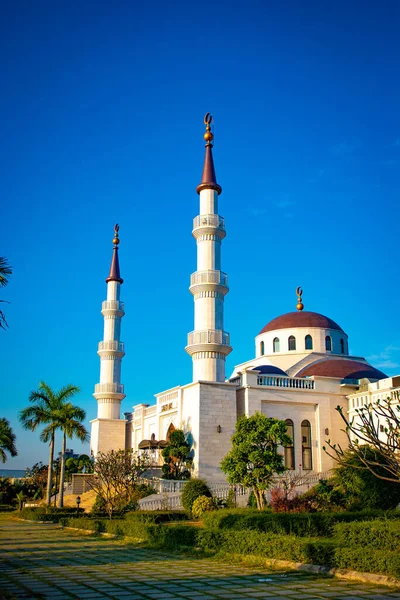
(201, 505)
(362, 489)
(301, 524)
(192, 490)
(377, 534)
(325, 496)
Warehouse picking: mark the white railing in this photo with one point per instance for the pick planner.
(209, 220)
(208, 336)
(162, 502)
(112, 305)
(236, 380)
(209, 277)
(286, 382)
(106, 388)
(111, 345)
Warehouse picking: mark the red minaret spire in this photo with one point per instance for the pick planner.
(208, 179)
(114, 274)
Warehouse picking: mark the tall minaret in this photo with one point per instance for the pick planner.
(208, 344)
(109, 393)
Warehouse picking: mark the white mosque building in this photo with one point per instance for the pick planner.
(300, 373)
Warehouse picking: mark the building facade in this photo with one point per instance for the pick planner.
(301, 370)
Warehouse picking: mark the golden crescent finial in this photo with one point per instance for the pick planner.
(208, 136)
(116, 238)
(299, 293)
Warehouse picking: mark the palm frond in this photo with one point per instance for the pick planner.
(5, 271)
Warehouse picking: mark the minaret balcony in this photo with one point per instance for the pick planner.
(111, 345)
(109, 388)
(113, 306)
(209, 224)
(208, 340)
(208, 336)
(201, 281)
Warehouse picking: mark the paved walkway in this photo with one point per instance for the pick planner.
(42, 561)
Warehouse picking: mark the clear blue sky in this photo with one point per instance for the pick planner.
(102, 108)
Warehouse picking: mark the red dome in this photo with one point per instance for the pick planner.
(301, 318)
(343, 368)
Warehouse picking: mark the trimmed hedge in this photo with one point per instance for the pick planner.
(155, 535)
(379, 534)
(301, 524)
(328, 552)
(368, 560)
(156, 516)
(46, 513)
(121, 527)
(342, 551)
(268, 545)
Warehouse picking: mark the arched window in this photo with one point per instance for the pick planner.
(308, 341)
(306, 445)
(292, 342)
(289, 450)
(276, 344)
(171, 428)
(328, 343)
(341, 345)
(262, 348)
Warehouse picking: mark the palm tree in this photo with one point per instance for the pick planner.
(7, 440)
(44, 410)
(69, 420)
(5, 272)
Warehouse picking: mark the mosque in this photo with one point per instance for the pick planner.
(300, 373)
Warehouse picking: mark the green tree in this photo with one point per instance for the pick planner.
(5, 272)
(7, 440)
(69, 419)
(376, 426)
(177, 462)
(254, 460)
(85, 463)
(44, 410)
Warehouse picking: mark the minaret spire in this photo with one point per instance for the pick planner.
(114, 274)
(208, 344)
(108, 430)
(208, 179)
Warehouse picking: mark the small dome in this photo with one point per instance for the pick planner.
(299, 318)
(270, 370)
(343, 368)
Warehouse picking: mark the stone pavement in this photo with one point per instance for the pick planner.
(43, 561)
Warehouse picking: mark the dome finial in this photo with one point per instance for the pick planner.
(299, 293)
(116, 238)
(208, 136)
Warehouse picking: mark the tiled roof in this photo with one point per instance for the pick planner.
(301, 319)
